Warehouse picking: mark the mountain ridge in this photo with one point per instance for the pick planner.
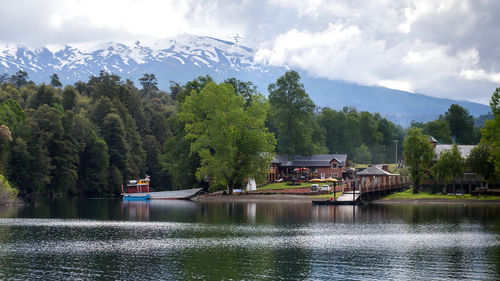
(188, 56)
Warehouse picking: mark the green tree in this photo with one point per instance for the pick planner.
(231, 139)
(18, 169)
(20, 79)
(119, 152)
(5, 139)
(196, 85)
(7, 193)
(69, 97)
(54, 81)
(11, 113)
(491, 133)
(461, 124)
(149, 83)
(44, 95)
(93, 169)
(291, 114)
(439, 129)
(418, 154)
(244, 89)
(363, 155)
(479, 161)
(450, 165)
(177, 161)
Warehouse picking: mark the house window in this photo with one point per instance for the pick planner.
(323, 176)
(330, 175)
(336, 175)
(334, 165)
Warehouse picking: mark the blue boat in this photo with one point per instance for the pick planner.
(136, 197)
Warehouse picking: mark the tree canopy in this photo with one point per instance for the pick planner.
(418, 154)
(231, 140)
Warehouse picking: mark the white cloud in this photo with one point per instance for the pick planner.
(480, 74)
(428, 46)
(446, 48)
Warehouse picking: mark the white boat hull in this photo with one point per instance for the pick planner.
(165, 195)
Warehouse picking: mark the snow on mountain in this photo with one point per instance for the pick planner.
(75, 62)
(187, 56)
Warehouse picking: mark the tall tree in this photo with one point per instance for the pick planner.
(18, 170)
(461, 124)
(231, 140)
(450, 165)
(44, 95)
(291, 112)
(491, 132)
(196, 85)
(69, 97)
(244, 89)
(54, 81)
(93, 169)
(479, 161)
(119, 152)
(439, 129)
(418, 154)
(20, 79)
(149, 83)
(363, 155)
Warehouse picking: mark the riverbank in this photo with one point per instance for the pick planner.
(254, 198)
(436, 201)
(407, 197)
(418, 199)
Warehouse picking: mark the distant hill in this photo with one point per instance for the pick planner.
(188, 56)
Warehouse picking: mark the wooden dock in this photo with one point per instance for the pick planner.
(357, 192)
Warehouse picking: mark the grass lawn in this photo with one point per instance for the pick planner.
(408, 194)
(283, 185)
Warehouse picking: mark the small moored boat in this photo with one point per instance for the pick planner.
(139, 190)
(138, 197)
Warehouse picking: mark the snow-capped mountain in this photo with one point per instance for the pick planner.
(166, 58)
(187, 57)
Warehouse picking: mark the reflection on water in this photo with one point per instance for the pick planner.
(112, 239)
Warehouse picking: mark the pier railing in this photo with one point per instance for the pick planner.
(371, 184)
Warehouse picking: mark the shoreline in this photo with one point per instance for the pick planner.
(254, 198)
(435, 201)
(305, 198)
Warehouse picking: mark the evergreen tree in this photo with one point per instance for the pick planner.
(69, 97)
(93, 169)
(54, 81)
(461, 124)
(20, 79)
(292, 115)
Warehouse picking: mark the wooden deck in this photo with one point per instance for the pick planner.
(357, 192)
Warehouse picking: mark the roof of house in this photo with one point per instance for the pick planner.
(374, 171)
(318, 160)
(432, 139)
(464, 150)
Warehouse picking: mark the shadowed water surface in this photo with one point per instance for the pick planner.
(111, 239)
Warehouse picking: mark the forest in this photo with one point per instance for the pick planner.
(88, 138)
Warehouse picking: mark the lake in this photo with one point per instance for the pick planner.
(184, 240)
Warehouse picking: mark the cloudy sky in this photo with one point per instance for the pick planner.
(439, 48)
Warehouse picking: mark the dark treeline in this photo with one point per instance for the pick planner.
(455, 126)
(88, 138)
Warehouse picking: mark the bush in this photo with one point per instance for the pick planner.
(7, 193)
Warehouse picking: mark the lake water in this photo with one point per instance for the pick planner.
(184, 240)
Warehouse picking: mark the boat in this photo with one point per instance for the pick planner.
(138, 197)
(139, 190)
